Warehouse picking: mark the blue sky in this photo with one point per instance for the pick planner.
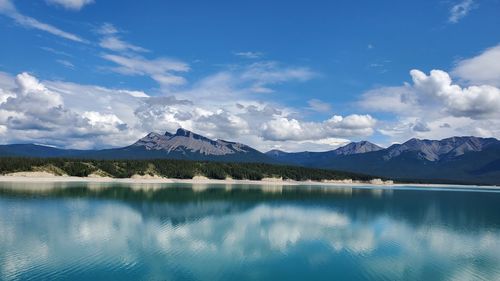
(292, 75)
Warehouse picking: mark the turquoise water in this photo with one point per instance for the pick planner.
(183, 232)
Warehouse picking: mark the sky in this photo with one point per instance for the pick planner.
(289, 75)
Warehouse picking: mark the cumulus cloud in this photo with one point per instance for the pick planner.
(283, 128)
(8, 9)
(32, 111)
(222, 123)
(422, 107)
(67, 114)
(435, 92)
(221, 105)
(248, 121)
(460, 10)
(164, 113)
(75, 5)
(481, 69)
(476, 102)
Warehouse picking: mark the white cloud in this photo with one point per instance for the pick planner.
(116, 44)
(75, 5)
(219, 109)
(222, 124)
(8, 9)
(111, 41)
(263, 74)
(161, 69)
(85, 116)
(108, 123)
(283, 128)
(38, 112)
(6, 81)
(240, 82)
(421, 108)
(481, 69)
(460, 10)
(222, 105)
(388, 99)
(434, 94)
(135, 94)
(476, 102)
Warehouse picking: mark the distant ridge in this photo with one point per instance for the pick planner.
(434, 150)
(457, 160)
(308, 158)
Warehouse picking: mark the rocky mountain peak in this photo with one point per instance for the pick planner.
(185, 141)
(435, 150)
(357, 147)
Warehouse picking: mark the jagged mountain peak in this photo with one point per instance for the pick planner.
(185, 141)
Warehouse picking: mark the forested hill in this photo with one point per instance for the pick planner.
(181, 169)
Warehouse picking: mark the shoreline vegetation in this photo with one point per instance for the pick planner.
(163, 170)
(18, 169)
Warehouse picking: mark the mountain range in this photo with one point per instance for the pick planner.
(468, 159)
(451, 160)
(183, 144)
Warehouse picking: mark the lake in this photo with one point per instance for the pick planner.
(82, 231)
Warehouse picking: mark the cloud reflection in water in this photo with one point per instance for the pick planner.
(207, 237)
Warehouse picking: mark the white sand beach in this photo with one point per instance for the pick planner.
(46, 177)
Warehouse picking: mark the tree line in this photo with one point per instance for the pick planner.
(180, 169)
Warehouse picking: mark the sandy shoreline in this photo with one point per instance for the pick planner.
(34, 179)
(45, 178)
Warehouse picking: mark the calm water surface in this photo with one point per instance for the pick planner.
(190, 232)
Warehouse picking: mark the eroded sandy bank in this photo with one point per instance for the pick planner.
(45, 177)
